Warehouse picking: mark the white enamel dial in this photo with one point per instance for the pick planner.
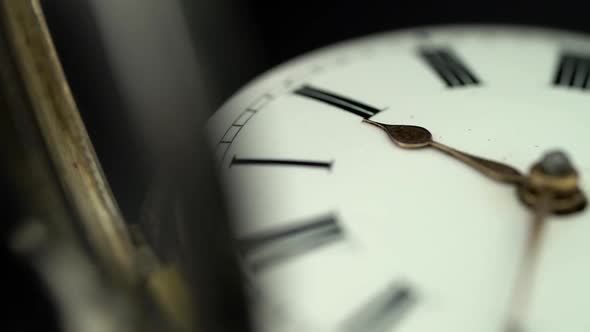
(341, 230)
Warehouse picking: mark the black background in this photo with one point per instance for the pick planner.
(280, 30)
(288, 28)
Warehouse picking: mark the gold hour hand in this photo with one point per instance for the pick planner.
(414, 137)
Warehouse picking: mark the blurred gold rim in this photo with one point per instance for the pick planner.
(67, 141)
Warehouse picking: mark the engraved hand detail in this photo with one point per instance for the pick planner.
(414, 137)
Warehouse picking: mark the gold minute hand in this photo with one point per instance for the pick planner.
(414, 137)
(522, 290)
(552, 187)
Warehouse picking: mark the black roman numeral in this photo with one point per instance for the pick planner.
(449, 67)
(280, 162)
(382, 312)
(333, 99)
(573, 71)
(278, 245)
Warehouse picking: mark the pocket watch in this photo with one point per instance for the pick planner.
(431, 179)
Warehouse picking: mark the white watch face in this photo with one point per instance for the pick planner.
(340, 229)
